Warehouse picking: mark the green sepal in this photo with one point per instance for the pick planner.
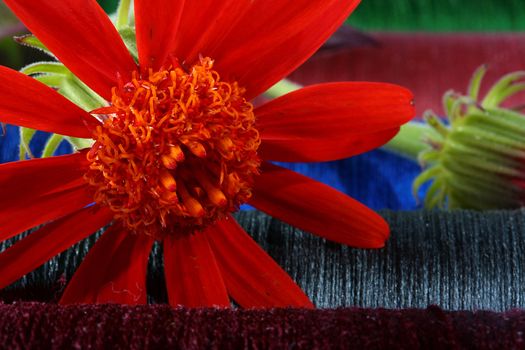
(79, 143)
(123, 14)
(281, 88)
(448, 101)
(475, 82)
(425, 176)
(466, 171)
(483, 139)
(482, 196)
(436, 123)
(427, 156)
(56, 75)
(79, 93)
(455, 152)
(26, 135)
(509, 115)
(435, 194)
(32, 41)
(45, 68)
(51, 145)
(128, 36)
(462, 106)
(499, 122)
(507, 86)
(51, 80)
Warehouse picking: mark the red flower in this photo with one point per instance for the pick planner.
(177, 147)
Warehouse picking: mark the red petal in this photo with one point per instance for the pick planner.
(114, 271)
(335, 110)
(204, 25)
(274, 37)
(40, 246)
(330, 121)
(156, 22)
(59, 190)
(317, 208)
(192, 275)
(27, 102)
(252, 277)
(82, 37)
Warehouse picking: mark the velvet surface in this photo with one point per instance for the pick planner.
(47, 326)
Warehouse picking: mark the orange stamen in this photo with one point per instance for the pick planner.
(194, 208)
(177, 150)
(174, 156)
(168, 162)
(197, 149)
(167, 180)
(176, 153)
(214, 194)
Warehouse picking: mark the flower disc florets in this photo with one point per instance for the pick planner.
(177, 150)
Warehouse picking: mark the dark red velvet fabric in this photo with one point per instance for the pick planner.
(429, 64)
(41, 325)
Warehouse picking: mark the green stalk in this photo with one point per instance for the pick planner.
(409, 142)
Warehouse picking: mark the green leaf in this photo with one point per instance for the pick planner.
(80, 94)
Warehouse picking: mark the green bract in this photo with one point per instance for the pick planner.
(477, 159)
(54, 74)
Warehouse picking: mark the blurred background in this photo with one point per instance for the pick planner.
(429, 46)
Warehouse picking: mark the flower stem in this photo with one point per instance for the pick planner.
(409, 142)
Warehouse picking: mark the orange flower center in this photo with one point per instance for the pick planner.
(177, 150)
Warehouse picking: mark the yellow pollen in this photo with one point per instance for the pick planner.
(177, 150)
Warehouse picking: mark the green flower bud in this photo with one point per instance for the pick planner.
(476, 157)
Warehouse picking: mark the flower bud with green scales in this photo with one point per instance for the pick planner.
(475, 158)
